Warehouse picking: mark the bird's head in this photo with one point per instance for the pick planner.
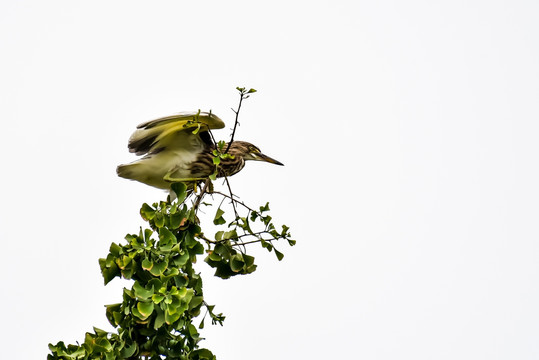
(250, 152)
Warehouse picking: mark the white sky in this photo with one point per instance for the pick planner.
(409, 134)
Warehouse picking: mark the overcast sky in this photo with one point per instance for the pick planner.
(408, 130)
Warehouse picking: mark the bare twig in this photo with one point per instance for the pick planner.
(243, 95)
(236, 201)
(202, 193)
(233, 201)
(238, 243)
(212, 138)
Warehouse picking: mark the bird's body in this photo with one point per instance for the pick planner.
(180, 148)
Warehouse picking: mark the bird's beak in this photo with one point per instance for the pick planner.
(262, 157)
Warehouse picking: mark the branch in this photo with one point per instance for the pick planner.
(231, 196)
(212, 138)
(237, 243)
(237, 112)
(236, 201)
(202, 193)
(243, 95)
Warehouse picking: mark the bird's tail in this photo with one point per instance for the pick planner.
(126, 171)
(139, 171)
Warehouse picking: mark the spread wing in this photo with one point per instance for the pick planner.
(171, 130)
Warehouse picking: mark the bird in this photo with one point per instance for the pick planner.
(181, 148)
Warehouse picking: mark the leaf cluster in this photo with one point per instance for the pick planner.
(156, 315)
(228, 254)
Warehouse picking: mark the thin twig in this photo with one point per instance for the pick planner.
(231, 196)
(203, 237)
(202, 193)
(236, 201)
(212, 138)
(255, 241)
(237, 112)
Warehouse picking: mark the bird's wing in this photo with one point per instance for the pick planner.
(159, 133)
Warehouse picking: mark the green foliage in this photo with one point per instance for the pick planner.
(156, 315)
(243, 91)
(227, 255)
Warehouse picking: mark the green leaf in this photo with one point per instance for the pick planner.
(109, 270)
(177, 219)
(147, 212)
(159, 219)
(218, 219)
(224, 249)
(100, 333)
(159, 268)
(189, 239)
(128, 294)
(197, 249)
(102, 345)
(141, 292)
(166, 235)
(154, 283)
(202, 354)
(136, 313)
(213, 256)
(192, 330)
(266, 219)
(244, 224)
(236, 263)
(113, 314)
(145, 309)
(182, 259)
(219, 235)
(195, 302)
(171, 318)
(264, 208)
(157, 298)
(97, 344)
(115, 249)
(159, 319)
(147, 264)
(129, 351)
(147, 235)
(223, 271)
(279, 254)
(180, 189)
(123, 261)
(167, 240)
(232, 234)
(249, 260)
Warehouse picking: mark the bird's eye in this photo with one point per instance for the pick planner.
(254, 150)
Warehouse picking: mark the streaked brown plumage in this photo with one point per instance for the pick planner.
(180, 148)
